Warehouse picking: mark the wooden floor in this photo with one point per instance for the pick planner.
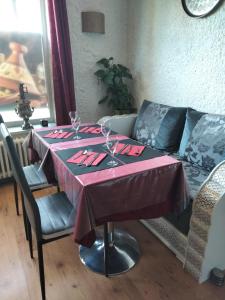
(158, 274)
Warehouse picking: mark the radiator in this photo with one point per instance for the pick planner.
(5, 168)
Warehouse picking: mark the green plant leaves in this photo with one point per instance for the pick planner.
(104, 99)
(100, 74)
(108, 79)
(124, 71)
(105, 62)
(114, 77)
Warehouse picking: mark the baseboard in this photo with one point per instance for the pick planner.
(6, 180)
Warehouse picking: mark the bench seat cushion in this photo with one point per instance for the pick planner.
(195, 177)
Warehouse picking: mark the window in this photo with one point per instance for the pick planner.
(24, 58)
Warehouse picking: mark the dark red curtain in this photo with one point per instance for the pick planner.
(62, 66)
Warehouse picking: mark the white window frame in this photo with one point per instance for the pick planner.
(47, 58)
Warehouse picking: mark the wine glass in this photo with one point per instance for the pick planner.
(73, 116)
(106, 130)
(76, 125)
(112, 144)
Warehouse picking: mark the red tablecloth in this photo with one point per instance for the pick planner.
(139, 190)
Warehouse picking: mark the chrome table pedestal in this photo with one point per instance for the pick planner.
(114, 252)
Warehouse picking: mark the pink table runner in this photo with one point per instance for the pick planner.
(140, 190)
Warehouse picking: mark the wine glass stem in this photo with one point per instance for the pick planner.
(105, 144)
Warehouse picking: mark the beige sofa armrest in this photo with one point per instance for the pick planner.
(122, 124)
(206, 238)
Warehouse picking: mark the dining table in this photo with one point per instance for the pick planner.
(147, 184)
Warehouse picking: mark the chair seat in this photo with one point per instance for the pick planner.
(35, 177)
(57, 215)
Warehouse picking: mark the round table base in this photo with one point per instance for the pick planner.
(123, 254)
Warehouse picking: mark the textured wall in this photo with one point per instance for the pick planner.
(176, 59)
(87, 48)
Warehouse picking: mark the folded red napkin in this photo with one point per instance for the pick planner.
(92, 158)
(58, 135)
(83, 129)
(50, 135)
(131, 150)
(95, 130)
(68, 135)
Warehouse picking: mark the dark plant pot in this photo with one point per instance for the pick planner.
(124, 111)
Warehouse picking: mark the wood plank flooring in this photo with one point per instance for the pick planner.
(157, 276)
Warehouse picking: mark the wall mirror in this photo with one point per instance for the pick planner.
(200, 8)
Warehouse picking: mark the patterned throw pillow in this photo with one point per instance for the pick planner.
(206, 146)
(192, 117)
(159, 126)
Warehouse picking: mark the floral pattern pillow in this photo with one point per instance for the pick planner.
(206, 146)
(149, 124)
(159, 126)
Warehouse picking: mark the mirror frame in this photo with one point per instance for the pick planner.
(206, 13)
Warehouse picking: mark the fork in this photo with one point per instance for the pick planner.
(58, 131)
(85, 152)
(93, 159)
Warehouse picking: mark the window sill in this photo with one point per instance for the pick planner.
(19, 131)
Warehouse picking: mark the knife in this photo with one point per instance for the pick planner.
(124, 146)
(127, 150)
(93, 159)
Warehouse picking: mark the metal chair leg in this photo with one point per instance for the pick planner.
(16, 197)
(25, 220)
(29, 234)
(106, 249)
(41, 269)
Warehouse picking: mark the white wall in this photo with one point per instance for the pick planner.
(176, 59)
(87, 48)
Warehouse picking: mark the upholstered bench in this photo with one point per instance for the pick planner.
(198, 140)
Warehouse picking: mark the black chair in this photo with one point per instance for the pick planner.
(35, 177)
(51, 217)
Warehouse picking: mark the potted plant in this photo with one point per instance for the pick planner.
(115, 77)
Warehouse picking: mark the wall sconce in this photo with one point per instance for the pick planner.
(93, 22)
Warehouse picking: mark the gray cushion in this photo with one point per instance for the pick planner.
(206, 145)
(159, 126)
(35, 176)
(195, 177)
(192, 117)
(57, 215)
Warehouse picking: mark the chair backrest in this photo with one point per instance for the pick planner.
(29, 201)
(1, 119)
